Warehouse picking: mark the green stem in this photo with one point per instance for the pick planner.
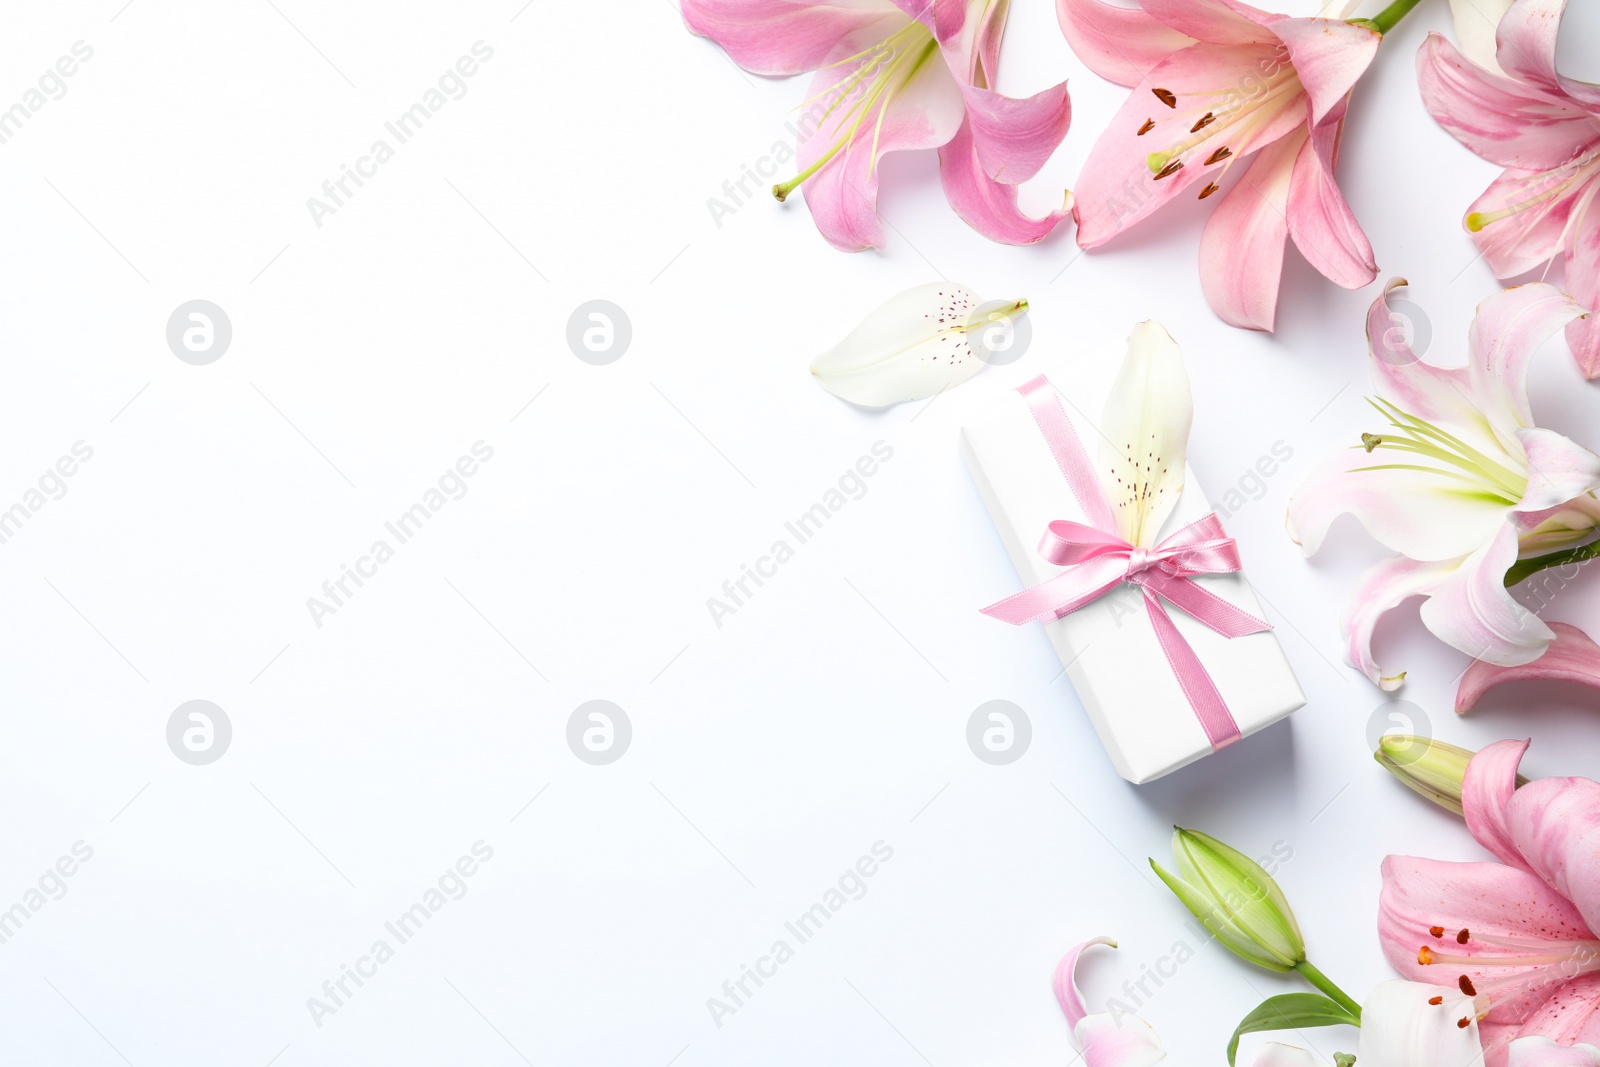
(1390, 17)
(1324, 983)
(1526, 568)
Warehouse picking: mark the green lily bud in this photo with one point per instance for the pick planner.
(1436, 769)
(1239, 903)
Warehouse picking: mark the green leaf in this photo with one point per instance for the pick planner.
(1289, 1011)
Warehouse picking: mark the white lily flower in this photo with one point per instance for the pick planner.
(1144, 434)
(918, 344)
(1459, 483)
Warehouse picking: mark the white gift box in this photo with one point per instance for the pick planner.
(1109, 648)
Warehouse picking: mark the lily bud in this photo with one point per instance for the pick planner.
(1239, 903)
(1436, 769)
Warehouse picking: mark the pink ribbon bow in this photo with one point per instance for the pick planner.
(1098, 561)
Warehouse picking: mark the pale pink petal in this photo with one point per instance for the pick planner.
(1506, 332)
(1472, 611)
(1571, 1016)
(1276, 1054)
(1382, 589)
(1486, 790)
(1583, 282)
(1329, 55)
(987, 205)
(1543, 1052)
(1212, 21)
(1559, 469)
(1065, 980)
(1522, 220)
(1504, 121)
(924, 112)
(1320, 221)
(1572, 657)
(1121, 44)
(1526, 49)
(1481, 898)
(1106, 1039)
(1408, 511)
(1555, 825)
(1439, 394)
(1241, 248)
(779, 36)
(1014, 137)
(1117, 188)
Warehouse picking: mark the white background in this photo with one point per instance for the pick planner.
(827, 714)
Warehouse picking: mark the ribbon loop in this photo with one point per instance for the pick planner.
(1096, 561)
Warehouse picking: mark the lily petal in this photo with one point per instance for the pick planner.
(1504, 121)
(1273, 1054)
(915, 345)
(1475, 22)
(1526, 48)
(906, 98)
(1408, 1024)
(1583, 282)
(1121, 44)
(1106, 1039)
(1572, 657)
(1474, 612)
(779, 37)
(1212, 21)
(1506, 332)
(1329, 55)
(1543, 1052)
(1570, 1016)
(1530, 220)
(1320, 221)
(1241, 247)
(1382, 589)
(1014, 138)
(1144, 434)
(1486, 790)
(1559, 469)
(1437, 394)
(1507, 903)
(986, 204)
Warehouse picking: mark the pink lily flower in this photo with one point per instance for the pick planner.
(1516, 936)
(891, 77)
(1572, 657)
(1213, 82)
(1505, 100)
(1460, 482)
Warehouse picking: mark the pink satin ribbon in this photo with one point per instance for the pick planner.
(1098, 560)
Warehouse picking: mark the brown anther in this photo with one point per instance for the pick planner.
(1149, 124)
(1436, 931)
(1209, 189)
(1166, 96)
(1435, 1001)
(1205, 120)
(1219, 155)
(1424, 955)
(1169, 170)
(1463, 937)
(1467, 986)
(1463, 1022)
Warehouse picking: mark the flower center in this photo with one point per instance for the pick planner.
(875, 76)
(1541, 191)
(1453, 458)
(1540, 964)
(1218, 125)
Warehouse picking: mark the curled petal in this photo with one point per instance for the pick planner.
(1526, 49)
(1583, 282)
(1329, 55)
(1559, 469)
(1572, 657)
(1320, 221)
(1475, 23)
(1121, 44)
(987, 205)
(1504, 121)
(1486, 791)
(1382, 589)
(1106, 1039)
(1472, 610)
(1506, 332)
(1241, 247)
(1013, 138)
